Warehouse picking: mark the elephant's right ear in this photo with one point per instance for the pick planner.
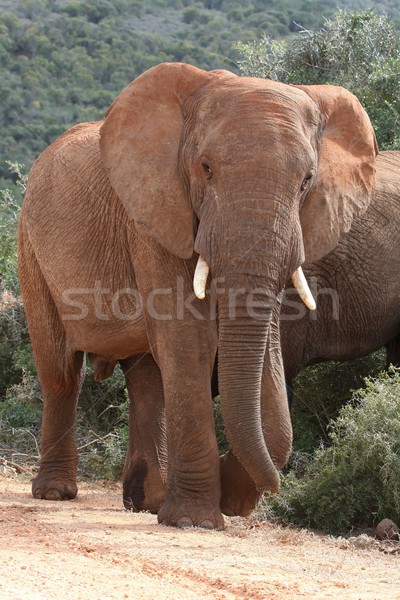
(139, 143)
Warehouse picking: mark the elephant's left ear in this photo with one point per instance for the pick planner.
(345, 178)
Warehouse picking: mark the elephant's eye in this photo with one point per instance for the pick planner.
(206, 170)
(306, 182)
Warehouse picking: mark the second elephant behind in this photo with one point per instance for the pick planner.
(357, 287)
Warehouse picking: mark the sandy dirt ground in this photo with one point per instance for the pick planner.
(90, 548)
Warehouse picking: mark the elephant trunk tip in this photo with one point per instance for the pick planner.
(272, 484)
(261, 469)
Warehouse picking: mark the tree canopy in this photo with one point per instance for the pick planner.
(360, 51)
(64, 61)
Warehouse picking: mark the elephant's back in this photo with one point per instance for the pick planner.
(66, 176)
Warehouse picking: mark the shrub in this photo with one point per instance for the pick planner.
(354, 482)
(10, 204)
(19, 422)
(321, 390)
(102, 426)
(360, 51)
(15, 349)
(219, 426)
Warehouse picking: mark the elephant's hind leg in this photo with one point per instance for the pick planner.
(146, 459)
(60, 373)
(56, 479)
(239, 495)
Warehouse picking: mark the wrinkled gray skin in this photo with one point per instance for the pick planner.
(256, 177)
(357, 287)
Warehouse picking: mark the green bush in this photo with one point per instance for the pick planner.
(15, 348)
(10, 204)
(20, 412)
(320, 391)
(22, 404)
(360, 51)
(219, 426)
(354, 482)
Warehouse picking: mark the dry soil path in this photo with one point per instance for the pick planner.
(91, 549)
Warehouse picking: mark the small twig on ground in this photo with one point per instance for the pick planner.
(18, 468)
(34, 437)
(98, 439)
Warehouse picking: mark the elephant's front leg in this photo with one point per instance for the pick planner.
(183, 340)
(193, 476)
(145, 469)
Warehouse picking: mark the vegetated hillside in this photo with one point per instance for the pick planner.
(64, 61)
(358, 50)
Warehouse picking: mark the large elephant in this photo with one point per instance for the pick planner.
(357, 287)
(241, 176)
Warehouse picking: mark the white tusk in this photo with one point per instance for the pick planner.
(200, 278)
(301, 285)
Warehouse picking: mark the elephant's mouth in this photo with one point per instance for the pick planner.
(298, 278)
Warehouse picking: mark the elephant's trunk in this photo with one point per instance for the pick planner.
(241, 347)
(251, 250)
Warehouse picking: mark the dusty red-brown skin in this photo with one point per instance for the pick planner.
(253, 175)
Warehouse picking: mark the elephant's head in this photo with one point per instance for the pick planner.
(256, 177)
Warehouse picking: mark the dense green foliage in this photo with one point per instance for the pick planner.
(353, 482)
(15, 350)
(320, 391)
(64, 61)
(360, 51)
(14, 340)
(9, 211)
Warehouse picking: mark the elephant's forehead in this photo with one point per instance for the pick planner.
(249, 97)
(256, 113)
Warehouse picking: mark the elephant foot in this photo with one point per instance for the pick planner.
(190, 513)
(53, 488)
(239, 496)
(143, 489)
